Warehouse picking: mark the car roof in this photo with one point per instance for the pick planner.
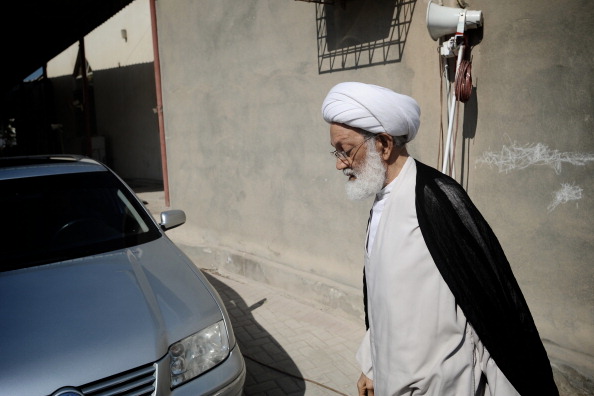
(46, 165)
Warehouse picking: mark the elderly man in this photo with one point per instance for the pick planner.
(444, 313)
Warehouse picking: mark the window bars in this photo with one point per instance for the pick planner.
(341, 3)
(366, 33)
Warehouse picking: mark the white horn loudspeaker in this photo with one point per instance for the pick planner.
(442, 21)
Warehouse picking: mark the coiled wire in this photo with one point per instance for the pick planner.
(463, 88)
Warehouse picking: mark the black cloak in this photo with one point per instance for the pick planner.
(473, 264)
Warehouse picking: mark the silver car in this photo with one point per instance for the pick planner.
(95, 299)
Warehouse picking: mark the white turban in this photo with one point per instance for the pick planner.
(372, 108)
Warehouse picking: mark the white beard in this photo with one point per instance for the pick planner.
(370, 177)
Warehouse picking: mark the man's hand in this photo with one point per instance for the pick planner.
(365, 386)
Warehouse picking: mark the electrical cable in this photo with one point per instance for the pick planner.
(452, 162)
(464, 81)
(293, 375)
(463, 92)
(442, 73)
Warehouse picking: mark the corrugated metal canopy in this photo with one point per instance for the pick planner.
(35, 31)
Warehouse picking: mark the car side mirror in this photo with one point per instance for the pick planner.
(172, 218)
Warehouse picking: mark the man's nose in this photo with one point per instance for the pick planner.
(341, 164)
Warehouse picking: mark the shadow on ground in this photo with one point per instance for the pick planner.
(270, 369)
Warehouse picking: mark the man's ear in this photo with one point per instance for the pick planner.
(386, 145)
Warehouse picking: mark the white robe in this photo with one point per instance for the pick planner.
(419, 341)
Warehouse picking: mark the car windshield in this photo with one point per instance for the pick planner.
(60, 217)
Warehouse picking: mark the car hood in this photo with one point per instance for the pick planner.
(73, 322)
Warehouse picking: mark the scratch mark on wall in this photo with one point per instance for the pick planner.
(520, 157)
(516, 157)
(568, 192)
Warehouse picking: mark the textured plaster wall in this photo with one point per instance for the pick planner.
(249, 162)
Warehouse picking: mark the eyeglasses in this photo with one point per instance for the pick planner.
(345, 156)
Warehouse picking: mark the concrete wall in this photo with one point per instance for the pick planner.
(127, 130)
(249, 158)
(125, 102)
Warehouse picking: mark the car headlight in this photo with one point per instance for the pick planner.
(197, 353)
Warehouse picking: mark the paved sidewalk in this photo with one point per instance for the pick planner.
(291, 346)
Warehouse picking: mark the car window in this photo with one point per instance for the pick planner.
(59, 217)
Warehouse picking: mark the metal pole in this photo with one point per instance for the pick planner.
(446, 153)
(157, 67)
(86, 101)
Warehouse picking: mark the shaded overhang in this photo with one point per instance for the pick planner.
(35, 31)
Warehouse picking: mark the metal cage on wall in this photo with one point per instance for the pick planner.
(341, 3)
(361, 33)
